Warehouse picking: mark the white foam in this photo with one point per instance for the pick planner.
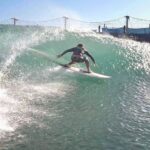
(54, 69)
(20, 44)
(4, 125)
(4, 109)
(19, 99)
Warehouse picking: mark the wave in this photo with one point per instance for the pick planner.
(34, 90)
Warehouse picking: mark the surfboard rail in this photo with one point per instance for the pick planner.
(83, 72)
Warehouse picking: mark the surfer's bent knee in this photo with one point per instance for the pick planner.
(86, 60)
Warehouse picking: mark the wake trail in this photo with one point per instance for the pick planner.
(40, 53)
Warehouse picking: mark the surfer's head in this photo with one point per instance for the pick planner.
(80, 45)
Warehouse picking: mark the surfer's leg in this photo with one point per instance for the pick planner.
(73, 61)
(87, 65)
(69, 64)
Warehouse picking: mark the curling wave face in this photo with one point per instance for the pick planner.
(37, 99)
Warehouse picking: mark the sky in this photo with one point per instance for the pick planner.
(86, 10)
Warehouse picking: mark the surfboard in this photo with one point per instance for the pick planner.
(83, 72)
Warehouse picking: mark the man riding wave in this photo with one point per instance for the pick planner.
(78, 56)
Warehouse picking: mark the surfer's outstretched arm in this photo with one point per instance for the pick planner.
(86, 52)
(66, 51)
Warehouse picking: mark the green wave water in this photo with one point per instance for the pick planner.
(44, 107)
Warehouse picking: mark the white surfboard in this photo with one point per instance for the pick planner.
(83, 72)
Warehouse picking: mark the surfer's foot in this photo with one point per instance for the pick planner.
(67, 65)
(87, 71)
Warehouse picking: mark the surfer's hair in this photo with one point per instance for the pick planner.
(80, 45)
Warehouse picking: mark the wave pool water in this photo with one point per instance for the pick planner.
(43, 107)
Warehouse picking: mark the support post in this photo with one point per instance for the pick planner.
(127, 24)
(14, 20)
(65, 22)
(104, 26)
(99, 29)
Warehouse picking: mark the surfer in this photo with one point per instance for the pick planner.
(78, 56)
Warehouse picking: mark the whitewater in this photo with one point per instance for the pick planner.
(43, 107)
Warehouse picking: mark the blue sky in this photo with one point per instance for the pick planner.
(88, 10)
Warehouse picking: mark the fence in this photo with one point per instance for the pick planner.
(125, 24)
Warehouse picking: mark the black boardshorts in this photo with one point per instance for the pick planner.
(79, 59)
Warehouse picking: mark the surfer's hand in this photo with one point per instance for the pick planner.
(58, 56)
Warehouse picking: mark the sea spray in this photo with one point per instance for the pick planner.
(60, 110)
